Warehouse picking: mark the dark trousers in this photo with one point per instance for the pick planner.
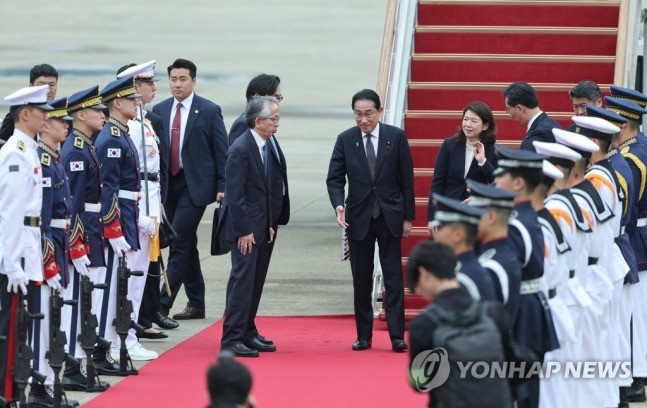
(151, 298)
(244, 290)
(362, 254)
(184, 259)
(8, 302)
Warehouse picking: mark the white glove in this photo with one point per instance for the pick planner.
(119, 245)
(17, 280)
(81, 265)
(146, 225)
(54, 282)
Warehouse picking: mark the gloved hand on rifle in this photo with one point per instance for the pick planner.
(17, 280)
(119, 245)
(146, 225)
(54, 282)
(81, 265)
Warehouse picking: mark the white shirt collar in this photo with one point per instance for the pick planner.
(533, 119)
(375, 133)
(259, 140)
(186, 104)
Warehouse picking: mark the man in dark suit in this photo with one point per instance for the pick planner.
(195, 139)
(269, 85)
(376, 160)
(246, 224)
(522, 105)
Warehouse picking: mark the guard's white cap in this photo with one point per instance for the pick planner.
(142, 72)
(551, 171)
(31, 95)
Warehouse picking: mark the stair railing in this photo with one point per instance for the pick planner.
(397, 46)
(629, 32)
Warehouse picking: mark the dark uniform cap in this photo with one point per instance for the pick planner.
(596, 128)
(487, 195)
(605, 114)
(60, 109)
(517, 159)
(31, 95)
(634, 96)
(120, 88)
(449, 210)
(625, 108)
(88, 98)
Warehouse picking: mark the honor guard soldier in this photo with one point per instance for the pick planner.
(565, 209)
(495, 252)
(21, 199)
(634, 96)
(121, 193)
(520, 171)
(598, 280)
(55, 224)
(605, 179)
(457, 225)
(86, 236)
(147, 144)
(633, 147)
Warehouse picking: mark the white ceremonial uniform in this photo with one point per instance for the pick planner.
(575, 296)
(21, 195)
(150, 205)
(554, 284)
(616, 268)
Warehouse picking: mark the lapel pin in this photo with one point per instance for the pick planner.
(197, 111)
(356, 144)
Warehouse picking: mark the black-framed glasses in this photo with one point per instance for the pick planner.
(278, 97)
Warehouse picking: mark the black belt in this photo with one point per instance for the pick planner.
(593, 261)
(571, 274)
(552, 293)
(150, 176)
(32, 221)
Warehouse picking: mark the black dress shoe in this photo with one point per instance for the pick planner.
(104, 364)
(41, 396)
(264, 340)
(240, 350)
(152, 336)
(360, 345)
(164, 321)
(399, 345)
(255, 344)
(75, 380)
(636, 393)
(189, 313)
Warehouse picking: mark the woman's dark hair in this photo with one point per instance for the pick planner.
(488, 136)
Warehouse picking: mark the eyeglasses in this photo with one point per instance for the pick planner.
(278, 97)
(509, 108)
(367, 115)
(275, 119)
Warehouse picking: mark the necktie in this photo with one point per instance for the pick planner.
(370, 158)
(265, 158)
(174, 164)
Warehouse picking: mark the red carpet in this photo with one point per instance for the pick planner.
(313, 367)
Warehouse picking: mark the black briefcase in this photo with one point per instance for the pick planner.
(166, 232)
(219, 246)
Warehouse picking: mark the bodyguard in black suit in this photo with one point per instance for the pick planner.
(246, 224)
(196, 165)
(376, 161)
(522, 105)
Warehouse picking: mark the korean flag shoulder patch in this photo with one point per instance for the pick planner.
(47, 181)
(76, 166)
(114, 152)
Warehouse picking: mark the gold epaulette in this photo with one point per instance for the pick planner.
(79, 142)
(21, 146)
(114, 130)
(45, 159)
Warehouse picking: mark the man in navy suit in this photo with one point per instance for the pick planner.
(376, 161)
(522, 105)
(195, 140)
(246, 224)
